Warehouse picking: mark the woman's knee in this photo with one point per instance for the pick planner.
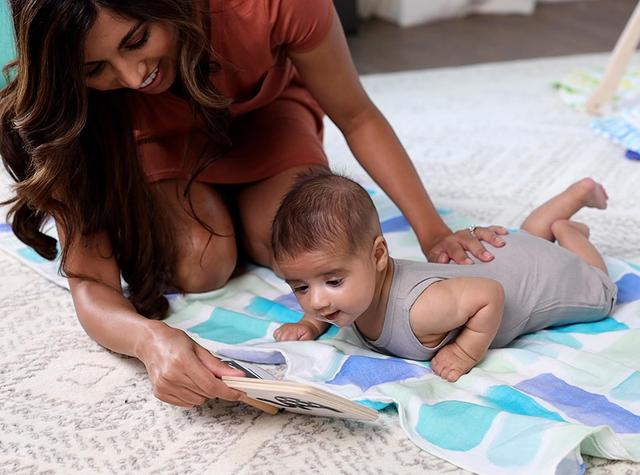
(207, 263)
(258, 204)
(205, 238)
(258, 245)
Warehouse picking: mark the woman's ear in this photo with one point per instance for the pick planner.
(380, 253)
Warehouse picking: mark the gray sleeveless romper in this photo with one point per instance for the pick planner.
(544, 285)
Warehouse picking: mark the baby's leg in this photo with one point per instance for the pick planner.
(575, 237)
(585, 192)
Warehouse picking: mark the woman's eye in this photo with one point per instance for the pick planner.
(141, 42)
(95, 70)
(335, 282)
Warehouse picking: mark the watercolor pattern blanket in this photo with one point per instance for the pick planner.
(620, 121)
(531, 408)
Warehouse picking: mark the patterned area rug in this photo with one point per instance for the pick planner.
(491, 141)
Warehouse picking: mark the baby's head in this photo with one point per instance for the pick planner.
(328, 246)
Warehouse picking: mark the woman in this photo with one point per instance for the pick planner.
(161, 136)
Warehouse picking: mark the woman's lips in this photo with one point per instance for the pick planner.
(155, 83)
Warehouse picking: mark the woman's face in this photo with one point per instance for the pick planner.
(120, 52)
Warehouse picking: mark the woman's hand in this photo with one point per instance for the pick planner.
(181, 371)
(454, 247)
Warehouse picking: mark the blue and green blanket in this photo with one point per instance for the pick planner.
(531, 408)
(620, 121)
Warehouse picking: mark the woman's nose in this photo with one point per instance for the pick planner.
(130, 73)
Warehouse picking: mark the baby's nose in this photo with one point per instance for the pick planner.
(319, 300)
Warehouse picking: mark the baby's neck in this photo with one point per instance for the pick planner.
(370, 323)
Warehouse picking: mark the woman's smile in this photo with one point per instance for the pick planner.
(153, 81)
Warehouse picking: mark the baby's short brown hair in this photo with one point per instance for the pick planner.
(324, 211)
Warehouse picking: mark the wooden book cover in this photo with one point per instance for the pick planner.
(293, 396)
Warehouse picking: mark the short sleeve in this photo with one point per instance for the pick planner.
(299, 25)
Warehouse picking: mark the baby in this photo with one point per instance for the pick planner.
(329, 247)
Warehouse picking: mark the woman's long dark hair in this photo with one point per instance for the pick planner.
(71, 150)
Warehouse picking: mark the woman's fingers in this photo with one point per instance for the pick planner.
(178, 395)
(188, 398)
(437, 254)
(499, 230)
(205, 376)
(443, 258)
(194, 387)
(171, 399)
(447, 250)
(184, 373)
(471, 243)
(491, 234)
(457, 246)
(213, 364)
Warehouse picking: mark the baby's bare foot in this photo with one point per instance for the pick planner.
(591, 193)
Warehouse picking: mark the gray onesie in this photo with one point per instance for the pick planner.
(544, 285)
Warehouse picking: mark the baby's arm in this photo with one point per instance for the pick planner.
(307, 328)
(476, 305)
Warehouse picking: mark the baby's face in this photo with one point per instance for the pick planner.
(332, 287)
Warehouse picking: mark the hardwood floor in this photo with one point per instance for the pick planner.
(553, 30)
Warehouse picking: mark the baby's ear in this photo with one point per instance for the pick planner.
(380, 253)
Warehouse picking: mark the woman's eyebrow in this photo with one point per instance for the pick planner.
(125, 39)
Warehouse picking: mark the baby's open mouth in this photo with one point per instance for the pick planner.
(331, 316)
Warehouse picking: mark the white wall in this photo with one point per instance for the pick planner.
(414, 12)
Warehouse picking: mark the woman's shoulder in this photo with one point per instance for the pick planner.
(298, 24)
(219, 6)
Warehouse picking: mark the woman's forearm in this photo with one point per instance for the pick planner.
(109, 318)
(379, 151)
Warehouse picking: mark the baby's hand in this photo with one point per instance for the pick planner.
(451, 362)
(296, 331)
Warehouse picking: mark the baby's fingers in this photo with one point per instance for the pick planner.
(282, 334)
(288, 332)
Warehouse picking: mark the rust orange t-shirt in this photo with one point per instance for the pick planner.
(251, 39)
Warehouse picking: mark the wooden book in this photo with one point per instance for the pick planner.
(262, 386)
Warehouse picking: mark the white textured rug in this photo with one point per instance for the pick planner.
(491, 140)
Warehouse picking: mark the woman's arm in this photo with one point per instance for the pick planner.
(329, 74)
(181, 372)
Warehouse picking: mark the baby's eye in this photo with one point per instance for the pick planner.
(301, 289)
(335, 282)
